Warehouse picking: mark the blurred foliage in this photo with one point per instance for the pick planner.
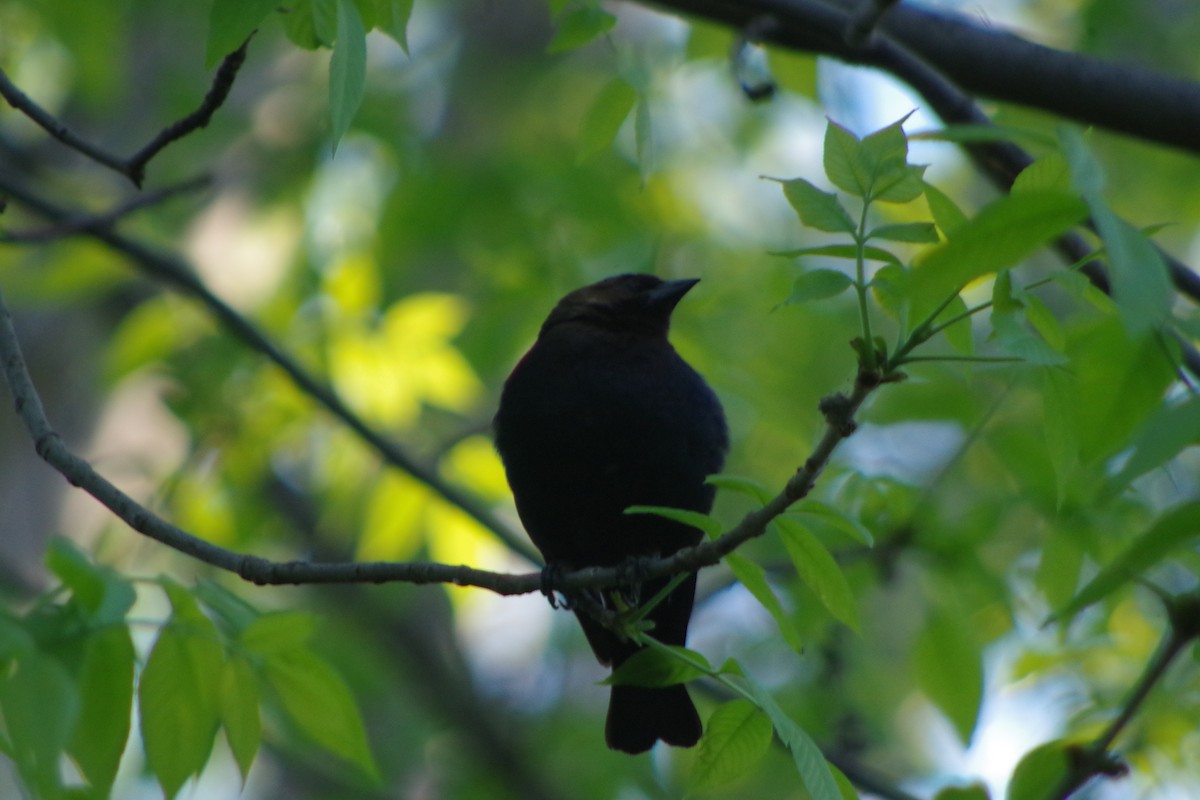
(503, 156)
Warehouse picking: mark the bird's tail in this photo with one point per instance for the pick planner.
(638, 716)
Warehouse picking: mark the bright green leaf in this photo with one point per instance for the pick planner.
(177, 696)
(736, 738)
(105, 684)
(833, 519)
(300, 25)
(1048, 173)
(239, 702)
(845, 165)
(754, 578)
(347, 70)
(846, 251)
(1002, 234)
(1061, 428)
(819, 571)
(818, 284)
(320, 704)
(325, 21)
(278, 632)
(393, 20)
(811, 765)
(949, 669)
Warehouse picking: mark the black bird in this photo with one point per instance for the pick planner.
(602, 414)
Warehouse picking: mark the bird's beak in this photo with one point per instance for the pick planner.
(667, 296)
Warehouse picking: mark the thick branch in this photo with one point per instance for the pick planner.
(983, 61)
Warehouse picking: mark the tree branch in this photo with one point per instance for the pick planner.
(983, 61)
(176, 273)
(134, 167)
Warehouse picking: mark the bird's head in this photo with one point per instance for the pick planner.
(633, 303)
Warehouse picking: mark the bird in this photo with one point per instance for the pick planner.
(599, 415)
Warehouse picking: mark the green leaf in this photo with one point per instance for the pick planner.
(919, 232)
(233, 612)
(578, 26)
(1039, 772)
(846, 251)
(747, 486)
(949, 669)
(659, 666)
(604, 118)
(811, 765)
(1048, 173)
(1173, 529)
(1003, 233)
(106, 700)
(1170, 430)
(393, 20)
(736, 738)
(818, 284)
(845, 165)
(177, 696)
(325, 21)
(693, 519)
(976, 791)
(100, 590)
(239, 702)
(300, 25)
(320, 704)
(754, 578)
(40, 704)
(279, 632)
(1008, 325)
(819, 571)
(643, 137)
(834, 519)
(230, 23)
(1061, 428)
(347, 70)
(1141, 285)
(948, 216)
(817, 209)
(889, 284)
(960, 335)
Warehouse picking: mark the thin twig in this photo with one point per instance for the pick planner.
(176, 273)
(134, 167)
(82, 223)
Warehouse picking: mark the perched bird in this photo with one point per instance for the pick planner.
(602, 414)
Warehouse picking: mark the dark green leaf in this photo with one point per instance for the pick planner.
(393, 20)
(40, 704)
(949, 669)
(100, 590)
(278, 632)
(976, 791)
(578, 26)
(919, 232)
(845, 165)
(1169, 430)
(1039, 772)
(747, 486)
(829, 517)
(230, 23)
(347, 70)
(693, 519)
(655, 666)
(1177, 527)
(817, 209)
(736, 738)
(818, 284)
(846, 251)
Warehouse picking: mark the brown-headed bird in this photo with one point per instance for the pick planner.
(602, 414)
